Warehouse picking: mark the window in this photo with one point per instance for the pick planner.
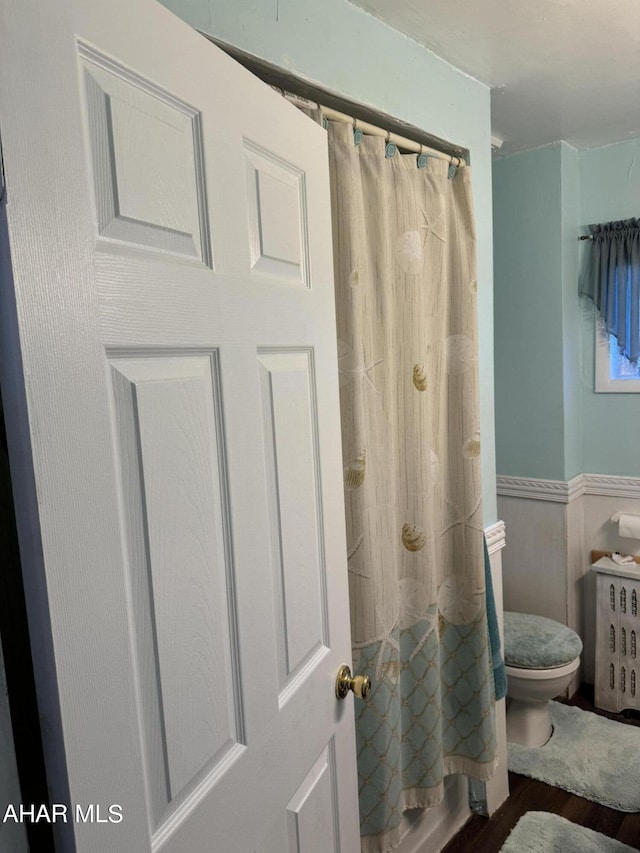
(614, 373)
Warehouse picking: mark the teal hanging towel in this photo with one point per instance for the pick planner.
(497, 661)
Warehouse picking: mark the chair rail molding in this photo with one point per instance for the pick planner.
(495, 536)
(558, 491)
(612, 486)
(565, 491)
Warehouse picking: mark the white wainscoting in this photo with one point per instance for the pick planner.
(432, 829)
(552, 527)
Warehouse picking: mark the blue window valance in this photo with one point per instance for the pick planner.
(612, 281)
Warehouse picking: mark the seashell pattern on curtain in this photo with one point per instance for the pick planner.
(404, 247)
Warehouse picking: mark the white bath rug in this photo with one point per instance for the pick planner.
(542, 832)
(588, 755)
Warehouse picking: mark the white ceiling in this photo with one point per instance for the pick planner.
(558, 69)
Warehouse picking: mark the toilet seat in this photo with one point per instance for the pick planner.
(535, 642)
(538, 674)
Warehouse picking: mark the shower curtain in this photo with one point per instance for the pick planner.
(404, 247)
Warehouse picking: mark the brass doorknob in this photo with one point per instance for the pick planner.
(359, 684)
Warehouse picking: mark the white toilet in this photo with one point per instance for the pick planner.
(541, 658)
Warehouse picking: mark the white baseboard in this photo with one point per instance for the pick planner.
(432, 829)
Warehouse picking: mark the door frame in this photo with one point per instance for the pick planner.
(25, 631)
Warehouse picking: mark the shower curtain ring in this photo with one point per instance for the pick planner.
(357, 133)
(390, 148)
(422, 159)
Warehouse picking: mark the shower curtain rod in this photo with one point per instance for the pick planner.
(371, 129)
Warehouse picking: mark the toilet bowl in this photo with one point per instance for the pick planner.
(541, 658)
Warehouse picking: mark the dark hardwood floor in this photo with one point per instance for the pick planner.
(487, 835)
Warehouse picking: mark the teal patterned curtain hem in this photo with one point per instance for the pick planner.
(430, 714)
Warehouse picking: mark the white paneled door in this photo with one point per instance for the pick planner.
(170, 381)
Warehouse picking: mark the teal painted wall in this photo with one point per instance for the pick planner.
(571, 349)
(549, 421)
(610, 182)
(528, 295)
(536, 197)
(342, 48)
(609, 190)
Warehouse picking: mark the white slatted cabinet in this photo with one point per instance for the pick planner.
(617, 679)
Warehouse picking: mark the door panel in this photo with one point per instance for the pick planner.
(145, 195)
(311, 813)
(172, 275)
(170, 439)
(277, 208)
(298, 565)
